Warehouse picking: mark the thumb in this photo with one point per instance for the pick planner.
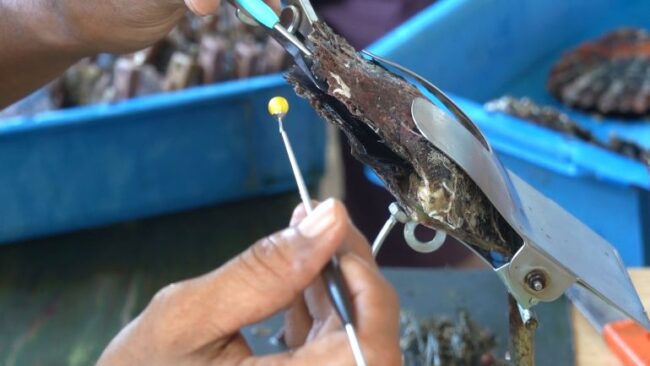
(267, 277)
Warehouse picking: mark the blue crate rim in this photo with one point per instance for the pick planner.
(105, 111)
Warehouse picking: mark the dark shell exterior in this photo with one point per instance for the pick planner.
(609, 76)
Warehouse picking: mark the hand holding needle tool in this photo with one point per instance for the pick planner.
(334, 281)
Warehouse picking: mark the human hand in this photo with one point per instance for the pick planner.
(123, 25)
(197, 321)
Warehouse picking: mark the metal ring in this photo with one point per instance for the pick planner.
(295, 18)
(420, 246)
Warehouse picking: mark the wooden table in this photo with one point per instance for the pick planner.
(591, 350)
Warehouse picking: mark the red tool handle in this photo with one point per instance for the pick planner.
(629, 341)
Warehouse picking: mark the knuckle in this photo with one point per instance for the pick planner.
(272, 258)
(171, 302)
(165, 308)
(166, 295)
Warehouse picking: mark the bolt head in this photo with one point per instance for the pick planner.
(536, 280)
(397, 213)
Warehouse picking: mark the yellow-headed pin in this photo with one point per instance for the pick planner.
(278, 107)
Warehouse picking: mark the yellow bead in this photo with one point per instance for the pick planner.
(278, 106)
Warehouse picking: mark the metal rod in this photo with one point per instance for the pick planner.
(302, 187)
(396, 215)
(522, 345)
(354, 345)
(383, 234)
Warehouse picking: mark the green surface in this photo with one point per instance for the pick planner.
(62, 299)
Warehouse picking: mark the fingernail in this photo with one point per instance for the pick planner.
(319, 221)
(296, 216)
(204, 8)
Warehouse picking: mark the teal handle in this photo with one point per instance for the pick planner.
(260, 12)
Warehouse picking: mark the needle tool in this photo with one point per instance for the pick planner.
(332, 275)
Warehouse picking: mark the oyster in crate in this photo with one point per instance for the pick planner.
(609, 76)
(554, 119)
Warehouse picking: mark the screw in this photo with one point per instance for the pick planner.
(536, 280)
(397, 213)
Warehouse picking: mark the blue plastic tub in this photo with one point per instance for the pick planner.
(481, 50)
(96, 165)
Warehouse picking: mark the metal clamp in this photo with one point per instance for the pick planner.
(559, 250)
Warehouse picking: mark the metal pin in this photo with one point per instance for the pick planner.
(396, 215)
(337, 290)
(279, 107)
(383, 234)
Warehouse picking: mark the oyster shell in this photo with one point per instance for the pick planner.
(609, 76)
(372, 106)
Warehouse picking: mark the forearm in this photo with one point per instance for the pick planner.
(36, 45)
(39, 39)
